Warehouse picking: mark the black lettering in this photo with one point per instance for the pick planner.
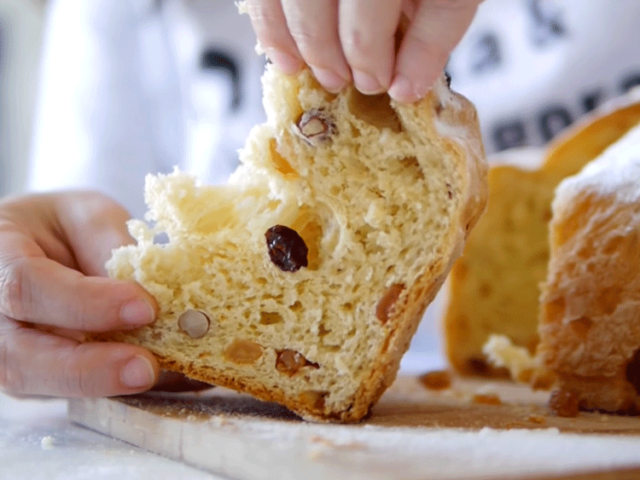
(590, 101)
(630, 81)
(553, 121)
(486, 53)
(217, 60)
(547, 26)
(510, 135)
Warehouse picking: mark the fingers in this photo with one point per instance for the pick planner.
(435, 30)
(314, 28)
(39, 290)
(270, 25)
(33, 363)
(72, 229)
(367, 33)
(344, 40)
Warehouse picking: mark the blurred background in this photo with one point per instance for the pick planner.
(21, 23)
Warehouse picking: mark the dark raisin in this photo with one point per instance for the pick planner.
(286, 248)
(633, 371)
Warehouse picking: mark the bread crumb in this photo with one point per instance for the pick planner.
(47, 443)
(436, 380)
(523, 367)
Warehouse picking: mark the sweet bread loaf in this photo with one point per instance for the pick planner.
(494, 286)
(590, 303)
(303, 280)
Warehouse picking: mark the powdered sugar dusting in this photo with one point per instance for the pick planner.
(615, 173)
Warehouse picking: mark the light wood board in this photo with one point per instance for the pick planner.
(413, 433)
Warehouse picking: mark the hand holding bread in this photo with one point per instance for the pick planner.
(53, 292)
(355, 40)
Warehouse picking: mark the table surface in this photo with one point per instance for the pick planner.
(38, 442)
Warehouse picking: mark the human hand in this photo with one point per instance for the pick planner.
(52, 291)
(355, 40)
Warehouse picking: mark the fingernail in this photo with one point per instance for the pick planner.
(289, 64)
(137, 312)
(366, 83)
(137, 373)
(402, 90)
(329, 79)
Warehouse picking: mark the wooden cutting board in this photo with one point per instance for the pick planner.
(413, 433)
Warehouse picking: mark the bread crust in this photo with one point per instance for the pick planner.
(518, 181)
(589, 324)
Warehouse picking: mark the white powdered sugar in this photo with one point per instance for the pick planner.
(616, 172)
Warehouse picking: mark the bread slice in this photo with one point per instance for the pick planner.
(590, 304)
(303, 279)
(494, 286)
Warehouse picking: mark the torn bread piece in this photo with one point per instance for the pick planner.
(303, 280)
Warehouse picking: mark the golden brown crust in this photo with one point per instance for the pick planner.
(588, 319)
(588, 139)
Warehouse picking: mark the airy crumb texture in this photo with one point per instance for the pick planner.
(381, 195)
(590, 304)
(495, 285)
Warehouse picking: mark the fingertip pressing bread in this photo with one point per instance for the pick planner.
(494, 287)
(303, 279)
(590, 303)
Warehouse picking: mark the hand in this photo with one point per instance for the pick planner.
(345, 40)
(52, 290)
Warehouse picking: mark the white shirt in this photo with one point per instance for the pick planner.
(124, 93)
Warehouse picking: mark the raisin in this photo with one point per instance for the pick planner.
(286, 248)
(290, 362)
(388, 300)
(564, 403)
(243, 352)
